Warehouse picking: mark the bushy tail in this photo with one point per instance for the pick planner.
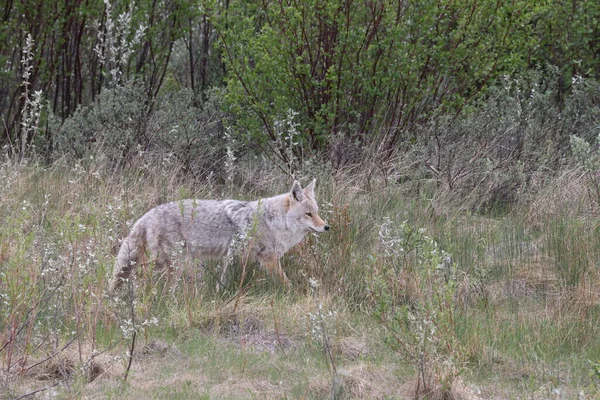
(132, 248)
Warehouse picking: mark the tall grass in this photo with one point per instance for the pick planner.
(523, 308)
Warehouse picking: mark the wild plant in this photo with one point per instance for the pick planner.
(595, 371)
(51, 283)
(32, 101)
(114, 47)
(230, 144)
(287, 141)
(242, 245)
(321, 323)
(414, 285)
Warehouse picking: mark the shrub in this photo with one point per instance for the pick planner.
(122, 126)
(359, 66)
(494, 154)
(415, 286)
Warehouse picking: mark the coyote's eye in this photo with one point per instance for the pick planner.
(309, 215)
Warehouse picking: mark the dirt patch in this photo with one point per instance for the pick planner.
(351, 348)
(249, 331)
(358, 381)
(73, 361)
(229, 323)
(269, 341)
(458, 391)
(255, 387)
(43, 375)
(159, 348)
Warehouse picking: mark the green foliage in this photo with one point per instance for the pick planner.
(166, 22)
(595, 371)
(83, 47)
(116, 120)
(351, 73)
(584, 154)
(490, 154)
(563, 35)
(355, 67)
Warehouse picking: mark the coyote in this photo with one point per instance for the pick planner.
(210, 229)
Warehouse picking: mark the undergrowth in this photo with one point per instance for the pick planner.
(468, 302)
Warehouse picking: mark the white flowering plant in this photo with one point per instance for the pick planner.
(414, 288)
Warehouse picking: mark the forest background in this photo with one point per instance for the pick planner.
(354, 77)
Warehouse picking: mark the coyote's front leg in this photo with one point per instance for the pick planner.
(270, 263)
(221, 283)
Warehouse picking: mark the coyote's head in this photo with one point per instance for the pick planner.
(303, 213)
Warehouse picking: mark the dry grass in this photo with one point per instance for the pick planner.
(519, 327)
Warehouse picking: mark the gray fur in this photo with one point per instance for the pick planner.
(208, 228)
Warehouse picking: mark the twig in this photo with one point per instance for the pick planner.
(42, 389)
(46, 295)
(276, 323)
(132, 346)
(53, 354)
(241, 292)
(326, 343)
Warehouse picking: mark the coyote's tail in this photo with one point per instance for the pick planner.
(132, 248)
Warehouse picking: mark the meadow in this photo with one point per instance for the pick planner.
(409, 295)
(456, 149)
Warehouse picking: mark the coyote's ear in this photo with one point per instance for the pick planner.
(310, 189)
(296, 191)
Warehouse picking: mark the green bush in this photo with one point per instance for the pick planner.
(372, 73)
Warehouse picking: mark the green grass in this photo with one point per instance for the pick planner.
(523, 317)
